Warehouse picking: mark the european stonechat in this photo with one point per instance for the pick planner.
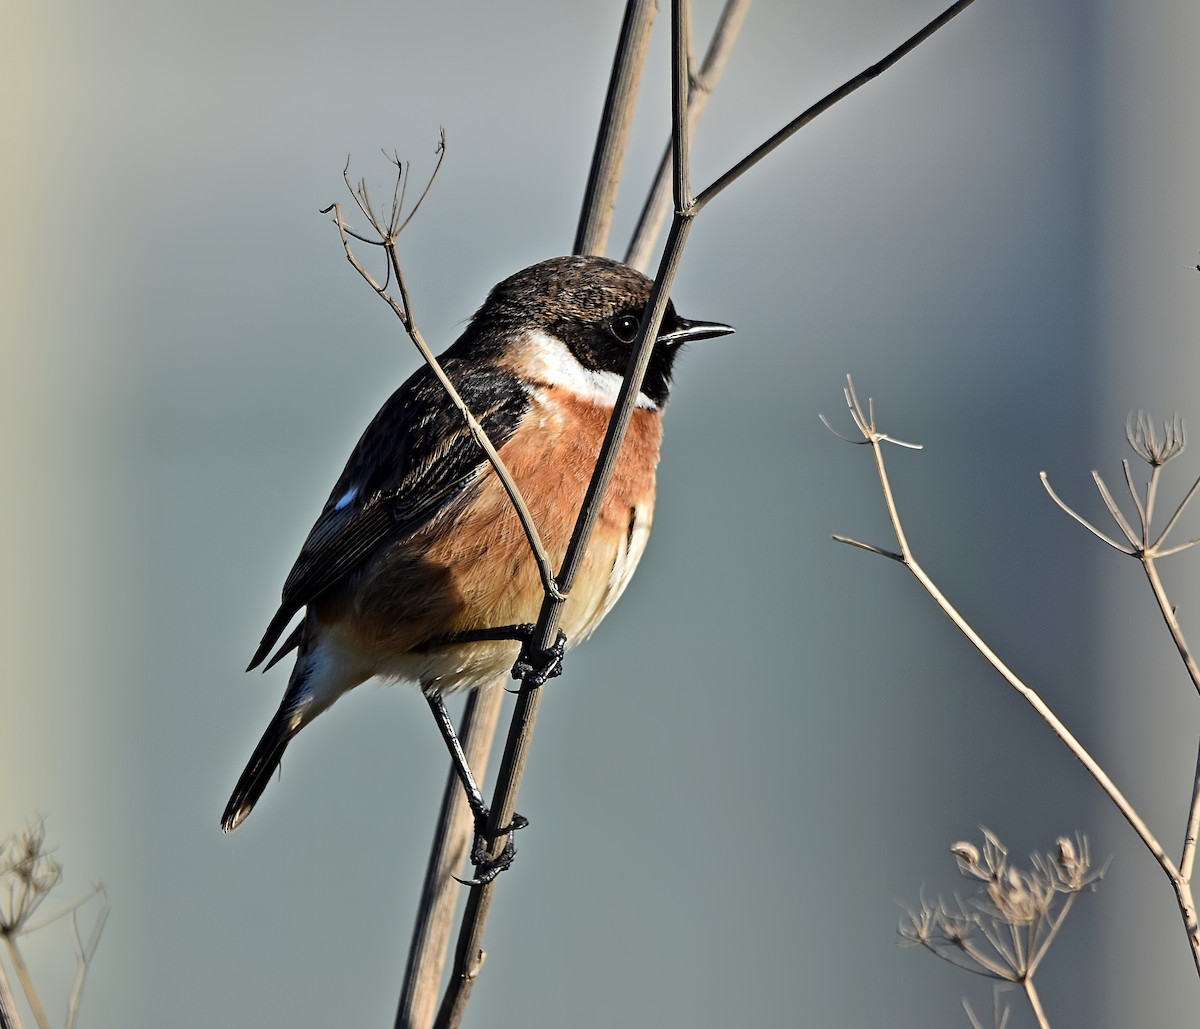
(417, 568)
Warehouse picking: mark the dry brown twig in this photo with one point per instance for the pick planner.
(469, 954)
(28, 874)
(557, 584)
(387, 236)
(1143, 545)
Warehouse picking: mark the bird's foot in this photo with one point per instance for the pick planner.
(537, 667)
(487, 867)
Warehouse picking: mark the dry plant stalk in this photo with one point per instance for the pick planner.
(557, 584)
(28, 874)
(1142, 544)
(440, 890)
(624, 85)
(469, 953)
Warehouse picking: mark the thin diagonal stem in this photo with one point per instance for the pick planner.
(1030, 696)
(681, 48)
(403, 311)
(823, 105)
(1175, 550)
(1144, 513)
(469, 953)
(10, 1017)
(1043, 946)
(433, 927)
(1179, 882)
(600, 194)
(1117, 515)
(1175, 517)
(1168, 613)
(1182, 884)
(658, 201)
(1188, 860)
(1035, 1002)
(84, 952)
(31, 993)
(1151, 491)
(1079, 518)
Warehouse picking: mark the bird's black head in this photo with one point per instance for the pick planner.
(593, 306)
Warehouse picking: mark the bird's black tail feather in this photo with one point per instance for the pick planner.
(263, 763)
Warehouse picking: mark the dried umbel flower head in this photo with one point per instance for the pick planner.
(1071, 868)
(967, 855)
(27, 874)
(1005, 927)
(986, 865)
(1019, 898)
(1144, 439)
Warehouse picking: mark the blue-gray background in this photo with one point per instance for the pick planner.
(773, 739)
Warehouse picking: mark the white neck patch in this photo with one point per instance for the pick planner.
(547, 359)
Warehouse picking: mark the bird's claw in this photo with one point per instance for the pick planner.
(537, 668)
(487, 868)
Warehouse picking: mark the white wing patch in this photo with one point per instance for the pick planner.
(548, 359)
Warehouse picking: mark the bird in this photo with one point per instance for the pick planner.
(417, 568)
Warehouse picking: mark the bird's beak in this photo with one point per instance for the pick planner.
(688, 331)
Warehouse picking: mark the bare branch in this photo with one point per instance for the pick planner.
(658, 201)
(1035, 1002)
(600, 195)
(681, 47)
(440, 892)
(823, 105)
(469, 952)
(1080, 519)
(1175, 517)
(398, 205)
(1175, 550)
(850, 541)
(1188, 860)
(1167, 610)
(1029, 695)
(10, 1016)
(1117, 515)
(84, 952)
(26, 980)
(403, 311)
(1144, 513)
(1180, 883)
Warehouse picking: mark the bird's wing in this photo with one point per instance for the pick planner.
(414, 459)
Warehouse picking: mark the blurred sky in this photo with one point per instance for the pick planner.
(773, 740)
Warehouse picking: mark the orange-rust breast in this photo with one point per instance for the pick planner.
(473, 569)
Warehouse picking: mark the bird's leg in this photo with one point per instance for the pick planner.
(521, 633)
(534, 668)
(487, 868)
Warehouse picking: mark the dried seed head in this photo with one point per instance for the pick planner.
(1065, 855)
(1019, 898)
(1144, 440)
(27, 874)
(966, 853)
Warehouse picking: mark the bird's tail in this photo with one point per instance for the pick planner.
(263, 763)
(322, 674)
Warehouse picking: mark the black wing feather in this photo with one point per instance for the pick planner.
(413, 460)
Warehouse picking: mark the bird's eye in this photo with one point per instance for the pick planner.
(625, 327)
